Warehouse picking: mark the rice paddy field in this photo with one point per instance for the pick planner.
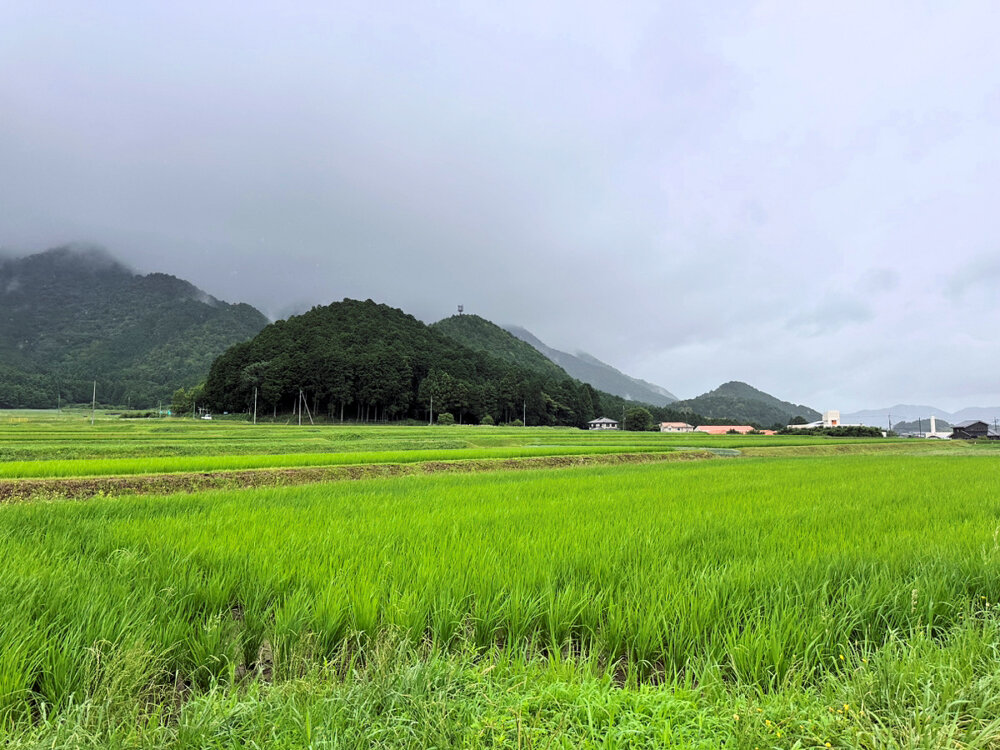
(727, 591)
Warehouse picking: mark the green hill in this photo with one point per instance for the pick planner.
(74, 315)
(363, 360)
(921, 425)
(481, 335)
(744, 404)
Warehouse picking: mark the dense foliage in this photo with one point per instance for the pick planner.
(745, 404)
(481, 335)
(853, 430)
(72, 316)
(638, 419)
(367, 361)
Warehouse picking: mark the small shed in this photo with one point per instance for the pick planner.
(602, 423)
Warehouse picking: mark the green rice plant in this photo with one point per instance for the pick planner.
(862, 579)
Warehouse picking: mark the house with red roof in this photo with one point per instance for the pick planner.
(724, 429)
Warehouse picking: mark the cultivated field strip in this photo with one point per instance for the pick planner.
(20, 490)
(811, 593)
(186, 464)
(73, 438)
(757, 569)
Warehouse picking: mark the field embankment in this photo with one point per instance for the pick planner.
(17, 490)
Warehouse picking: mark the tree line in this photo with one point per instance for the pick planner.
(370, 362)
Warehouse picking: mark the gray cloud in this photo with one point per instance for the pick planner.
(694, 195)
(975, 281)
(831, 315)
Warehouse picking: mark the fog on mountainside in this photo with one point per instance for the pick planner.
(589, 369)
(74, 315)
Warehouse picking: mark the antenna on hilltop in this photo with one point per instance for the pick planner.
(461, 309)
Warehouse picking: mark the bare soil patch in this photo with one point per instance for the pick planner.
(20, 490)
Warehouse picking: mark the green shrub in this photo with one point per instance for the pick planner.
(446, 418)
(487, 420)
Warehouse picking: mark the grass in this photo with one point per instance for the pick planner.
(773, 601)
(126, 466)
(30, 436)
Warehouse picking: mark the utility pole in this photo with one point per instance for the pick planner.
(524, 413)
(431, 420)
(255, 404)
(623, 417)
(93, 405)
(302, 402)
(889, 418)
(920, 426)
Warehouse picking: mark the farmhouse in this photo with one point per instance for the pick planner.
(973, 429)
(724, 429)
(676, 427)
(602, 423)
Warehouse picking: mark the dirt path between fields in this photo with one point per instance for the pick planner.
(20, 490)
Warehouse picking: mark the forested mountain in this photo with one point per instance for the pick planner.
(73, 315)
(363, 360)
(743, 403)
(602, 376)
(481, 335)
(921, 425)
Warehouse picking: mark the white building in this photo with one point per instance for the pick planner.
(676, 427)
(831, 418)
(603, 423)
(934, 434)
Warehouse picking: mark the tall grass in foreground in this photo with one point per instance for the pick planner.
(759, 578)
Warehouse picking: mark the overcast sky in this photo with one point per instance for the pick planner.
(803, 196)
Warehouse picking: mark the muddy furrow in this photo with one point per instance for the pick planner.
(19, 490)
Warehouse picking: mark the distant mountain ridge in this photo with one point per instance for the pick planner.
(604, 377)
(481, 335)
(74, 314)
(912, 413)
(745, 404)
